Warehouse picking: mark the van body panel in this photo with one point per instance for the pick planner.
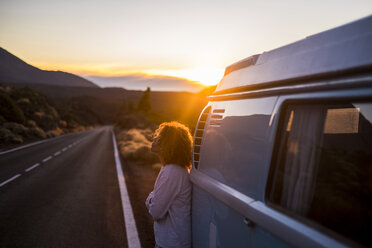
(218, 225)
(244, 135)
(329, 82)
(341, 48)
(228, 209)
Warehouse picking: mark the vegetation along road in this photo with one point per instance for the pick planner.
(65, 192)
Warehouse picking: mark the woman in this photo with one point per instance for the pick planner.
(170, 201)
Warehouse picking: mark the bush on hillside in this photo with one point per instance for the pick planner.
(47, 119)
(36, 106)
(37, 133)
(7, 137)
(16, 128)
(9, 110)
(78, 128)
(53, 133)
(31, 123)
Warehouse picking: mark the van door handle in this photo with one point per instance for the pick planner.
(248, 222)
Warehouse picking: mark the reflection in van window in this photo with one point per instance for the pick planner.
(323, 174)
(343, 120)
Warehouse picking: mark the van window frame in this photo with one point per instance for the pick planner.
(281, 112)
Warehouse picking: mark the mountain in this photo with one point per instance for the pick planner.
(141, 82)
(14, 71)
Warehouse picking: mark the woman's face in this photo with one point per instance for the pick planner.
(155, 146)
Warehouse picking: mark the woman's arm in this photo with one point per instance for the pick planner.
(163, 195)
(149, 199)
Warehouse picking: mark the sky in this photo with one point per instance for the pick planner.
(124, 42)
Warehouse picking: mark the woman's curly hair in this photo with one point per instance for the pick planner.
(175, 143)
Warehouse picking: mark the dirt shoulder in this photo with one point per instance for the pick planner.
(140, 181)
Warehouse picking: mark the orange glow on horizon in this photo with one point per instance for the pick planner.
(206, 76)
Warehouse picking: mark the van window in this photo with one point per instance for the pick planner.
(233, 150)
(322, 173)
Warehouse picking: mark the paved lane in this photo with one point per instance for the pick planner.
(71, 199)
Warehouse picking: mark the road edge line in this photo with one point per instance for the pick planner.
(9, 180)
(38, 142)
(130, 223)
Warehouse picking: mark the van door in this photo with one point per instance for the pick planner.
(232, 152)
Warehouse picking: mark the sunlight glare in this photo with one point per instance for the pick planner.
(204, 75)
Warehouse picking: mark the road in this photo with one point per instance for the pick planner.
(62, 193)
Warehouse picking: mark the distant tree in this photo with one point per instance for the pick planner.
(144, 104)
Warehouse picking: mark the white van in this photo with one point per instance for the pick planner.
(282, 153)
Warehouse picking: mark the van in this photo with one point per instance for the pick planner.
(282, 153)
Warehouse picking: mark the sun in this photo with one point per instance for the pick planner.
(204, 75)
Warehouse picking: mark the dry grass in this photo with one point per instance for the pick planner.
(135, 145)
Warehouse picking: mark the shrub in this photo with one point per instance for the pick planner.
(16, 128)
(6, 137)
(135, 144)
(46, 120)
(78, 128)
(31, 123)
(62, 123)
(23, 101)
(53, 133)
(9, 110)
(37, 132)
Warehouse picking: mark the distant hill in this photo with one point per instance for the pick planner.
(80, 101)
(138, 81)
(14, 71)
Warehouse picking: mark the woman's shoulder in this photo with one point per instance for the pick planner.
(173, 168)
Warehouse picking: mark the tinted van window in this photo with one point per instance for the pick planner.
(233, 150)
(323, 171)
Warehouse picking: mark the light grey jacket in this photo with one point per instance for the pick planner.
(170, 206)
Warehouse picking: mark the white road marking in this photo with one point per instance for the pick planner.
(9, 180)
(25, 146)
(64, 149)
(38, 142)
(57, 153)
(70, 145)
(130, 223)
(32, 167)
(46, 159)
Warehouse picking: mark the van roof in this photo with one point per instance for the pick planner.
(337, 50)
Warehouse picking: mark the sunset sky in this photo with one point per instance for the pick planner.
(194, 40)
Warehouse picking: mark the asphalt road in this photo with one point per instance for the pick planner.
(62, 193)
